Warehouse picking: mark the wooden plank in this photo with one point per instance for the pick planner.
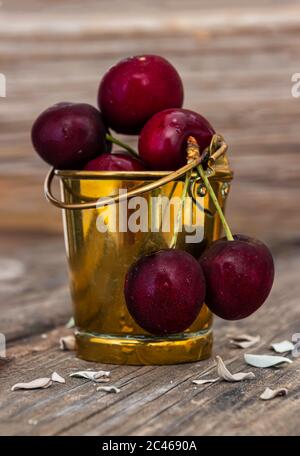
(33, 285)
(245, 91)
(238, 77)
(161, 400)
(103, 19)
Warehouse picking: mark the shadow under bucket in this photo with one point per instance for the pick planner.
(101, 248)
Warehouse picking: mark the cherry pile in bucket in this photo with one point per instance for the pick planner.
(143, 96)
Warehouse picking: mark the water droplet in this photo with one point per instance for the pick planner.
(65, 131)
(201, 190)
(225, 189)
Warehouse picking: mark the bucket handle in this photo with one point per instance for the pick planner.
(217, 144)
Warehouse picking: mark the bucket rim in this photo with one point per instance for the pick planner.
(220, 172)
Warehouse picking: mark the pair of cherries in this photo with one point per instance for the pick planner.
(165, 291)
(143, 95)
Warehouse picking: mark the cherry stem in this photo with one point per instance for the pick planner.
(216, 202)
(125, 146)
(180, 209)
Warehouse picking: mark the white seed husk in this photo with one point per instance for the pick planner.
(55, 377)
(283, 347)
(109, 389)
(269, 393)
(71, 323)
(94, 376)
(67, 343)
(244, 340)
(224, 373)
(38, 383)
(203, 381)
(264, 361)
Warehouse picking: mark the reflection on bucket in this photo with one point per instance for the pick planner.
(99, 259)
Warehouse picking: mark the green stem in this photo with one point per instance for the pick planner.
(125, 146)
(216, 202)
(180, 209)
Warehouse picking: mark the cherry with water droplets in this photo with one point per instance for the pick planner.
(117, 161)
(163, 140)
(67, 135)
(136, 88)
(164, 291)
(239, 276)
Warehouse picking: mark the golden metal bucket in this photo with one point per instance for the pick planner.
(98, 261)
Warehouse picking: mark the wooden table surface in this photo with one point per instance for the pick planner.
(236, 62)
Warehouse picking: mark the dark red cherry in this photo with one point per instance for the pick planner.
(165, 291)
(67, 135)
(163, 140)
(239, 276)
(136, 88)
(118, 161)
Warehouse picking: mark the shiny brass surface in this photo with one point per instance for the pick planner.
(98, 263)
(214, 153)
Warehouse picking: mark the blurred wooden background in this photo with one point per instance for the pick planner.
(236, 60)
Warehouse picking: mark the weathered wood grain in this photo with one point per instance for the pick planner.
(34, 294)
(236, 61)
(161, 400)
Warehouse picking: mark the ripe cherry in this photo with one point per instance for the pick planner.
(118, 161)
(162, 143)
(67, 135)
(165, 291)
(136, 88)
(239, 276)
